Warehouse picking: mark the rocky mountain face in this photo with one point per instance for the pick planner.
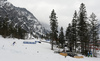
(21, 17)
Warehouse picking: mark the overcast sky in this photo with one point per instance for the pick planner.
(64, 9)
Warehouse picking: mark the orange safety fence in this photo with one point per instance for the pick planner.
(78, 56)
(63, 54)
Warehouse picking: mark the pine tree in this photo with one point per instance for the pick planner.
(69, 35)
(1, 25)
(74, 30)
(10, 30)
(5, 26)
(7, 29)
(94, 32)
(82, 27)
(61, 37)
(54, 26)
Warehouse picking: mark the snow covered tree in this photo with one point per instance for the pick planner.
(83, 27)
(68, 35)
(7, 29)
(61, 37)
(94, 32)
(71, 32)
(74, 30)
(54, 26)
(1, 25)
(5, 26)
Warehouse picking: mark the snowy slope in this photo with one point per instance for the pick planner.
(32, 52)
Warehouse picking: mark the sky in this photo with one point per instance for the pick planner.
(64, 9)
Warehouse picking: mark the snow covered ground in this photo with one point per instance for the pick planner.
(32, 52)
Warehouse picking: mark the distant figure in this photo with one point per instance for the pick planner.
(65, 48)
(2, 46)
(26, 48)
(14, 43)
(37, 51)
(88, 54)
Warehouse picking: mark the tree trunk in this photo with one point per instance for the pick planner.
(52, 45)
(75, 46)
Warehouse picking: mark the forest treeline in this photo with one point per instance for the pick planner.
(82, 29)
(8, 30)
